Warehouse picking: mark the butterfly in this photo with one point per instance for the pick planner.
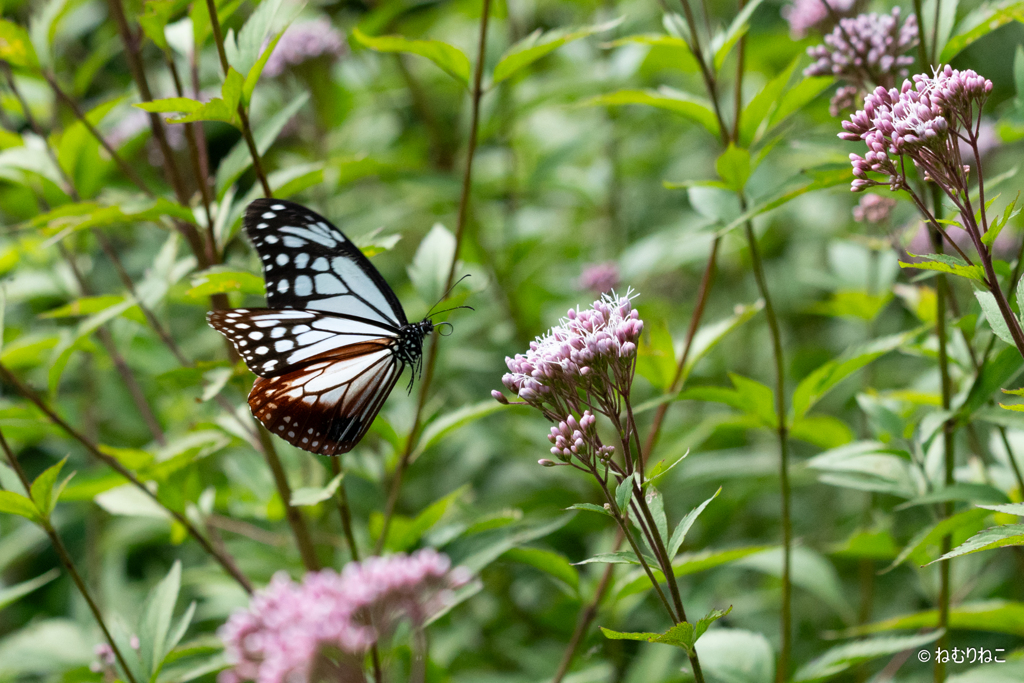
(333, 340)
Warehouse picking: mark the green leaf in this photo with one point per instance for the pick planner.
(239, 159)
(624, 494)
(656, 357)
(538, 45)
(694, 108)
(761, 105)
(991, 616)
(980, 23)
(13, 593)
(823, 431)
(708, 336)
(1011, 210)
(994, 316)
(447, 57)
(661, 469)
(961, 491)
(843, 657)
(821, 178)
(223, 108)
(312, 495)
(684, 525)
(816, 385)
(867, 466)
(683, 635)
(733, 167)
(1011, 509)
(253, 76)
(590, 507)
(432, 262)
(686, 564)
(944, 263)
(155, 624)
(88, 305)
(448, 423)
(547, 561)
(796, 98)
(656, 505)
(154, 18)
(676, 50)
(736, 656)
(989, 539)
(810, 571)
(852, 304)
(407, 537)
(210, 282)
(16, 46)
(1001, 369)
(479, 550)
(242, 55)
(18, 505)
(933, 535)
(42, 488)
(723, 43)
(620, 557)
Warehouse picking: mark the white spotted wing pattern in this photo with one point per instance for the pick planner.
(329, 348)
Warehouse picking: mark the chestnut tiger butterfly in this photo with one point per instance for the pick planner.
(333, 340)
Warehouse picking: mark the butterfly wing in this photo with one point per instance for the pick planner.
(309, 264)
(277, 342)
(326, 406)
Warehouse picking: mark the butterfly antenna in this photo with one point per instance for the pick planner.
(456, 284)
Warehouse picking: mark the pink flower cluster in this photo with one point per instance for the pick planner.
(600, 277)
(863, 51)
(288, 626)
(923, 120)
(590, 352)
(873, 208)
(302, 41)
(576, 438)
(804, 15)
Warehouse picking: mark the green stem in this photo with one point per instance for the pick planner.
(65, 559)
(782, 430)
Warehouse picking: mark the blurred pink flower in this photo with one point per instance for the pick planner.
(873, 208)
(599, 278)
(804, 15)
(289, 626)
(302, 41)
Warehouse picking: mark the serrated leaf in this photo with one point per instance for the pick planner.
(155, 624)
(42, 488)
(590, 507)
(989, 539)
(843, 657)
(816, 385)
(16, 504)
(538, 45)
(448, 57)
(684, 525)
(624, 494)
(620, 557)
(994, 316)
(723, 43)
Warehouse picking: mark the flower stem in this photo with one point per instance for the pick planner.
(65, 559)
(460, 231)
(942, 294)
(786, 626)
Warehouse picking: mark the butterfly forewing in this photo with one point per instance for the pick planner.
(309, 264)
(327, 405)
(275, 342)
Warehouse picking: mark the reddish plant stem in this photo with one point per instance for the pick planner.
(460, 230)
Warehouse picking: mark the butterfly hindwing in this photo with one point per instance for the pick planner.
(309, 264)
(328, 405)
(277, 342)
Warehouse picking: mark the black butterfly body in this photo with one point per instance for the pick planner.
(330, 345)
